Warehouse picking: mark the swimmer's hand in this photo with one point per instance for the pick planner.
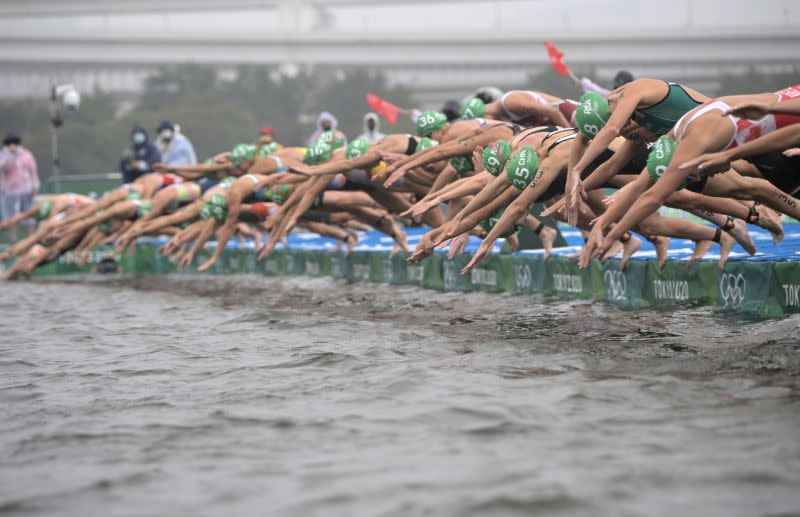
(707, 162)
(394, 178)
(592, 248)
(458, 245)
(575, 196)
(749, 110)
(477, 258)
(477, 159)
(554, 208)
(794, 151)
(205, 266)
(301, 168)
(185, 260)
(418, 210)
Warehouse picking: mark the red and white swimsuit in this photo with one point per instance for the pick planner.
(168, 179)
(746, 130)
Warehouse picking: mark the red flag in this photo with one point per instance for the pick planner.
(555, 59)
(383, 107)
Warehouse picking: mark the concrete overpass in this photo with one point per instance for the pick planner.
(438, 64)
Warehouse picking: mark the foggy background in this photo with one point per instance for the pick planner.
(223, 69)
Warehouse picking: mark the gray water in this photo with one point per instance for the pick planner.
(255, 396)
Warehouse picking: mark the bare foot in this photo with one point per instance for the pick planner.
(742, 236)
(548, 237)
(613, 251)
(350, 242)
(770, 220)
(700, 250)
(662, 247)
(633, 245)
(726, 242)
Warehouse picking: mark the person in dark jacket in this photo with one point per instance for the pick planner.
(139, 157)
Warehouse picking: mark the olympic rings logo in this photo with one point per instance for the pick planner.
(616, 285)
(522, 276)
(732, 289)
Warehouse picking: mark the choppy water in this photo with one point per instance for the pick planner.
(254, 396)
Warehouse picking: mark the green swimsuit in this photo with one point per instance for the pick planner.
(663, 115)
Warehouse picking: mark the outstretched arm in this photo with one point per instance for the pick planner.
(628, 100)
(11, 221)
(778, 140)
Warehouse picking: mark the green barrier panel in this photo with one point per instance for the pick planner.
(529, 274)
(432, 274)
(360, 267)
(340, 266)
(750, 287)
(276, 264)
(493, 275)
(787, 276)
(679, 283)
(761, 288)
(564, 278)
(625, 288)
(318, 263)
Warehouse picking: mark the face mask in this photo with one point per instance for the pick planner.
(138, 138)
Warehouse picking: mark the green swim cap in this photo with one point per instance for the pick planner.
(491, 222)
(430, 121)
(591, 114)
(268, 149)
(318, 153)
(495, 156)
(522, 166)
(356, 148)
(242, 153)
(205, 211)
(216, 207)
(473, 108)
(144, 208)
(462, 164)
(426, 143)
(44, 211)
(280, 193)
(335, 139)
(659, 158)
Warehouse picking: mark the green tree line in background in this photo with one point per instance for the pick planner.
(217, 114)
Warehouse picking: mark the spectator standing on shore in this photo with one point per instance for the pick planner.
(139, 157)
(19, 181)
(175, 147)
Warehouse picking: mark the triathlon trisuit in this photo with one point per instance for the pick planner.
(207, 183)
(168, 179)
(142, 208)
(566, 108)
(745, 130)
(186, 192)
(412, 145)
(558, 185)
(258, 212)
(781, 171)
(662, 116)
(525, 133)
(517, 118)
